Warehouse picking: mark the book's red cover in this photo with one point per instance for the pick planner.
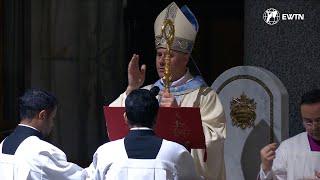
(182, 125)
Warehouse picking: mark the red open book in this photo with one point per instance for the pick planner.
(181, 125)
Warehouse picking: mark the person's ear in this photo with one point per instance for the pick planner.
(43, 115)
(186, 57)
(125, 118)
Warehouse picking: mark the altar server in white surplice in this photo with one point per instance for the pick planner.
(298, 157)
(45, 161)
(141, 155)
(187, 89)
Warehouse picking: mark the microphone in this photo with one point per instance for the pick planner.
(154, 90)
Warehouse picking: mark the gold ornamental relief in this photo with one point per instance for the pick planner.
(242, 111)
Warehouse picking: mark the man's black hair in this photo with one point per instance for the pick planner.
(141, 108)
(311, 97)
(33, 101)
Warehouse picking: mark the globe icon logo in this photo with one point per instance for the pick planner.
(271, 16)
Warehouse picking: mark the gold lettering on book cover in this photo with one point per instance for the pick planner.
(180, 129)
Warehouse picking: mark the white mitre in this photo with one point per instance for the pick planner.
(185, 24)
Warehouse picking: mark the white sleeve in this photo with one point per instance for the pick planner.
(264, 176)
(120, 101)
(279, 167)
(214, 129)
(99, 166)
(56, 166)
(186, 168)
(91, 171)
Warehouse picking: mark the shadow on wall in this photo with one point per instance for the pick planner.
(250, 159)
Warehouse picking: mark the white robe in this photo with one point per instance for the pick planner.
(294, 160)
(114, 153)
(214, 127)
(45, 160)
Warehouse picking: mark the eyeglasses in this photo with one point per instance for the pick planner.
(309, 122)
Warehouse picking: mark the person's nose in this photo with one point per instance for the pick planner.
(161, 60)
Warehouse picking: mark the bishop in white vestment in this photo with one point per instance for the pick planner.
(186, 90)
